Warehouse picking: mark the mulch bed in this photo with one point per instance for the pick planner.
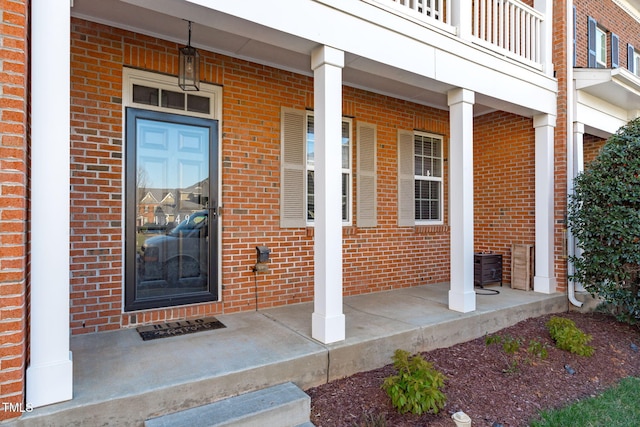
(481, 384)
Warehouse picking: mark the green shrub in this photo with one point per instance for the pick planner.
(603, 214)
(416, 387)
(511, 346)
(569, 337)
(537, 349)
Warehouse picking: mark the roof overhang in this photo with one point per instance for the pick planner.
(616, 86)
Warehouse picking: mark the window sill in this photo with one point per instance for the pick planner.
(431, 229)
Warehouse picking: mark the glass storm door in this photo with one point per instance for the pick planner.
(171, 210)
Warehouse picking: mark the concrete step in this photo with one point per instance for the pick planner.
(283, 405)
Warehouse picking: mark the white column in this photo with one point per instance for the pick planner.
(462, 296)
(546, 34)
(50, 373)
(328, 320)
(544, 280)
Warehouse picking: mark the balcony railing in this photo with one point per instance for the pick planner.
(509, 27)
(431, 9)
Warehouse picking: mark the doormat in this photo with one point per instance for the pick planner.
(174, 329)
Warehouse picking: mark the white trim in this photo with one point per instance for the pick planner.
(131, 76)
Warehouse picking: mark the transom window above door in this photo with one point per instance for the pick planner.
(160, 92)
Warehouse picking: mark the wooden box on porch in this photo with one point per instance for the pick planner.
(522, 266)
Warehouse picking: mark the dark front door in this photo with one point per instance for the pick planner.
(171, 247)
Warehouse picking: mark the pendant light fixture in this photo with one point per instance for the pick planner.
(189, 72)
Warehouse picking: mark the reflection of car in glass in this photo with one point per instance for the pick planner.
(178, 255)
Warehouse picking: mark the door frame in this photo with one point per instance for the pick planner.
(130, 77)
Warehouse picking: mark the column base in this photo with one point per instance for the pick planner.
(50, 383)
(328, 329)
(544, 285)
(464, 302)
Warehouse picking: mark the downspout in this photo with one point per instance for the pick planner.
(571, 107)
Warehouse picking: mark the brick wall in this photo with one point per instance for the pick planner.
(560, 64)
(13, 205)
(504, 183)
(374, 259)
(591, 147)
(612, 18)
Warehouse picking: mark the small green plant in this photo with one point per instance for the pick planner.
(371, 420)
(537, 349)
(568, 336)
(511, 346)
(417, 386)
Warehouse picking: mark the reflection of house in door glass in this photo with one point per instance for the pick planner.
(172, 217)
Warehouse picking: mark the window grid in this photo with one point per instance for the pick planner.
(428, 178)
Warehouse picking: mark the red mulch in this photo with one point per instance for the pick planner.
(478, 384)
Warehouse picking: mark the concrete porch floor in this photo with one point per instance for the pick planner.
(121, 380)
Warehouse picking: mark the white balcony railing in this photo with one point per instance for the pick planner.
(433, 9)
(509, 27)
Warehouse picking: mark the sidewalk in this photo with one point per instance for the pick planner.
(121, 380)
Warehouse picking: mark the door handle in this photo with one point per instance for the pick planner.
(213, 212)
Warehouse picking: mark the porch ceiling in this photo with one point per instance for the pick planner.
(238, 38)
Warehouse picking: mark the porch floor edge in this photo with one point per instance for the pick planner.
(120, 379)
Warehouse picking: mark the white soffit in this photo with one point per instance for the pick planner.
(616, 86)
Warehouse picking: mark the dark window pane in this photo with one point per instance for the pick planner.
(345, 197)
(310, 199)
(145, 95)
(198, 104)
(173, 100)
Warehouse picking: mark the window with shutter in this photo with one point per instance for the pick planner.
(597, 43)
(366, 176)
(631, 66)
(297, 204)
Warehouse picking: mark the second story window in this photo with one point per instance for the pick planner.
(601, 48)
(597, 43)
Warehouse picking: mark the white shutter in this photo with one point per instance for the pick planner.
(406, 179)
(293, 182)
(367, 215)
